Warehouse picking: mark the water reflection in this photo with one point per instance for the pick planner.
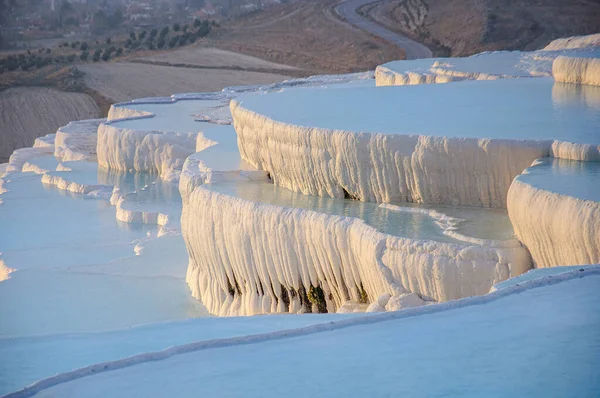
(567, 95)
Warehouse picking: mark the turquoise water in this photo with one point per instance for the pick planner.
(403, 224)
(573, 178)
(519, 109)
(174, 117)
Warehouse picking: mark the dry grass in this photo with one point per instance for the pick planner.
(126, 80)
(30, 112)
(305, 35)
(466, 27)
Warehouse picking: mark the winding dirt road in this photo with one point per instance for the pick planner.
(413, 49)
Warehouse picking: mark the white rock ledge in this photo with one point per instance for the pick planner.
(385, 167)
(249, 258)
(579, 70)
(557, 228)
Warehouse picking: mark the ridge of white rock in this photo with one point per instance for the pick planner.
(565, 43)
(263, 258)
(450, 163)
(560, 225)
(144, 151)
(578, 70)
(42, 146)
(217, 159)
(164, 151)
(77, 140)
(4, 270)
(78, 177)
(484, 66)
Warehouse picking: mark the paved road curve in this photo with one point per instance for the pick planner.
(413, 49)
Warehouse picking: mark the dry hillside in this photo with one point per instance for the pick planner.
(29, 112)
(464, 27)
(307, 35)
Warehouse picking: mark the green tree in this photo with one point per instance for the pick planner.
(84, 55)
(176, 27)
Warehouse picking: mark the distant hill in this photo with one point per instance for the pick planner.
(465, 27)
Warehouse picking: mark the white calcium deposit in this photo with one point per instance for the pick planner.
(249, 258)
(558, 228)
(578, 70)
(77, 140)
(148, 151)
(485, 66)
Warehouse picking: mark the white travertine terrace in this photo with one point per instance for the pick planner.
(554, 207)
(573, 42)
(152, 151)
(485, 66)
(452, 144)
(262, 256)
(445, 159)
(77, 140)
(578, 70)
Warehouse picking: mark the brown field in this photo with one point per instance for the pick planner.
(122, 81)
(204, 57)
(306, 35)
(30, 112)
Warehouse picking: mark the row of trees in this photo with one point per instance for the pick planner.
(180, 36)
(167, 37)
(30, 61)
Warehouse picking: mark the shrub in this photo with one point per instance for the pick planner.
(132, 35)
(203, 31)
(176, 27)
(71, 57)
(84, 56)
(84, 46)
(142, 35)
(197, 22)
(161, 43)
(119, 52)
(317, 297)
(105, 56)
(164, 31)
(108, 40)
(96, 57)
